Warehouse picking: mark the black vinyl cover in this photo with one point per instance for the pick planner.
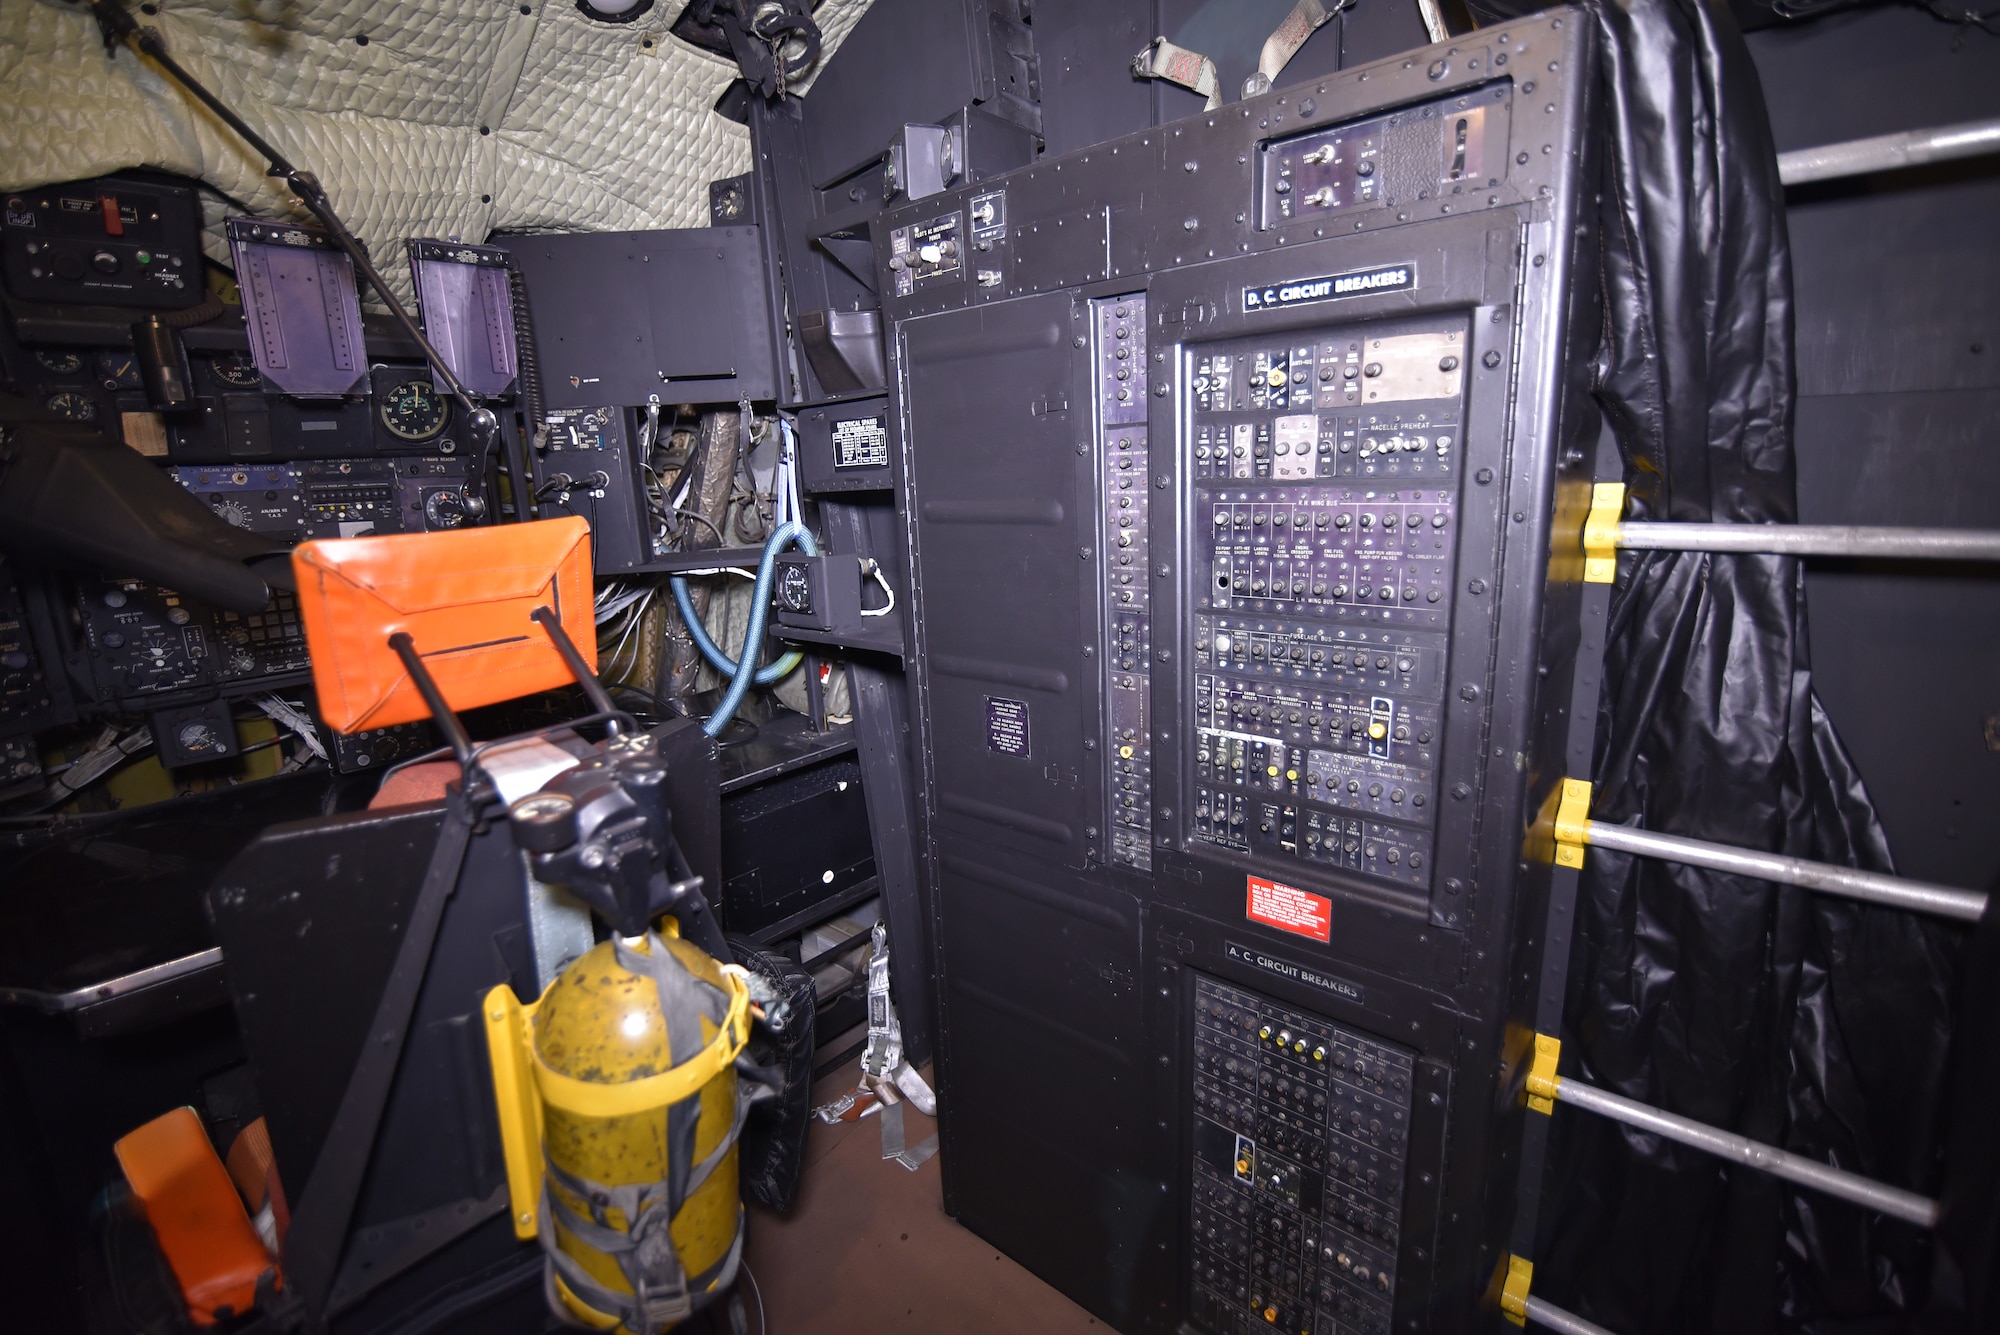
(1804, 1021)
(73, 496)
(774, 1135)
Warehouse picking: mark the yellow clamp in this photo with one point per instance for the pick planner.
(1600, 532)
(1543, 1083)
(1572, 828)
(1514, 1292)
(523, 1084)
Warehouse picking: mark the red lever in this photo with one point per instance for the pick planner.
(114, 221)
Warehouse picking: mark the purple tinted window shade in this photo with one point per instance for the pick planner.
(301, 308)
(467, 306)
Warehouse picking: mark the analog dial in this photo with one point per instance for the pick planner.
(58, 363)
(794, 589)
(235, 368)
(118, 370)
(413, 410)
(76, 407)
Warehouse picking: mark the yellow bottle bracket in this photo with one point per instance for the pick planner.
(1514, 1292)
(522, 1084)
(1572, 827)
(1600, 532)
(1544, 1086)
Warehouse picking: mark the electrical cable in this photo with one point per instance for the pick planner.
(699, 517)
(721, 662)
(875, 569)
(745, 669)
(763, 1327)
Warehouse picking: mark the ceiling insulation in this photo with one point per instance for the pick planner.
(422, 117)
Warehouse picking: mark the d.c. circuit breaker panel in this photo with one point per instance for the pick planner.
(1242, 460)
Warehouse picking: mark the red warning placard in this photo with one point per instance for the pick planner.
(1289, 909)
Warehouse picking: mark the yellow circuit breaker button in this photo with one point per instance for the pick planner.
(1378, 730)
(1272, 771)
(1124, 753)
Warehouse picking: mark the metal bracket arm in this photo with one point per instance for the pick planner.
(1572, 826)
(1544, 1086)
(1600, 532)
(1514, 1291)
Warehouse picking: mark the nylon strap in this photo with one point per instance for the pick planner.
(1191, 70)
(1305, 19)
(591, 1099)
(661, 1291)
(1161, 59)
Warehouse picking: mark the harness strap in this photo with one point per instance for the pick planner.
(1284, 42)
(1161, 59)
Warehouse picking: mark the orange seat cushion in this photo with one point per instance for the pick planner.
(196, 1214)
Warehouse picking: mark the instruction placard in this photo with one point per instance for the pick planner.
(861, 442)
(1289, 909)
(1007, 726)
(1297, 973)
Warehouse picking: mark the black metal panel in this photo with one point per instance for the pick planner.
(1899, 380)
(845, 447)
(995, 514)
(689, 325)
(1064, 561)
(791, 842)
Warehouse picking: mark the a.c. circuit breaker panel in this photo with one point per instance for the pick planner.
(1244, 462)
(1300, 1130)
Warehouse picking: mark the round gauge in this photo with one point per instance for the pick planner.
(794, 589)
(235, 368)
(233, 513)
(413, 410)
(59, 363)
(118, 370)
(444, 509)
(198, 737)
(76, 407)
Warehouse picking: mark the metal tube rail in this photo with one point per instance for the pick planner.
(1865, 1192)
(1874, 887)
(1553, 1317)
(1605, 533)
(1922, 544)
(1889, 152)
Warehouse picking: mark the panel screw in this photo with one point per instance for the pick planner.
(1490, 360)
(1460, 792)
(1162, 572)
(1439, 68)
(1483, 476)
(1078, 340)
(1468, 692)
(1190, 165)
(1082, 448)
(1477, 586)
(1084, 552)
(1090, 744)
(1166, 655)
(1159, 391)
(1161, 482)
(1189, 224)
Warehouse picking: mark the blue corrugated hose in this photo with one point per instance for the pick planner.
(743, 672)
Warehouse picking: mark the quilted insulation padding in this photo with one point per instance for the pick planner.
(455, 118)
